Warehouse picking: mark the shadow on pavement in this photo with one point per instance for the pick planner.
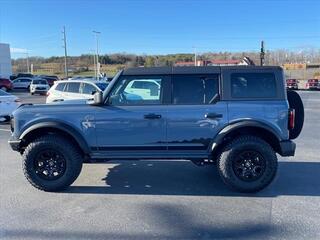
(184, 178)
(172, 221)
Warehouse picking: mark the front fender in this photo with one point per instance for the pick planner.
(77, 136)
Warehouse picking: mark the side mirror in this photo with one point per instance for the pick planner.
(98, 98)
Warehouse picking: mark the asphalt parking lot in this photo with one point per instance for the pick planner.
(167, 199)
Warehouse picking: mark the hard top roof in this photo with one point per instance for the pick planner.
(190, 70)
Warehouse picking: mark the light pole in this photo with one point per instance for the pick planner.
(65, 52)
(97, 53)
(195, 55)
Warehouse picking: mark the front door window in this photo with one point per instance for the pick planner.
(137, 91)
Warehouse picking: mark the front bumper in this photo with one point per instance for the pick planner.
(14, 143)
(287, 148)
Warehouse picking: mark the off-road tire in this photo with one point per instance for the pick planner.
(235, 147)
(296, 103)
(70, 153)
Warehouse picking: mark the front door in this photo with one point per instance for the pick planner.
(133, 122)
(196, 115)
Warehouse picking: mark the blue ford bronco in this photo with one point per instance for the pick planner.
(237, 117)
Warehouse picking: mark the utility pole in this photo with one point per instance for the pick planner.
(262, 53)
(27, 56)
(94, 62)
(97, 54)
(195, 55)
(65, 52)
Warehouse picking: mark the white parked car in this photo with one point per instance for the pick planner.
(21, 83)
(75, 89)
(147, 89)
(8, 103)
(40, 86)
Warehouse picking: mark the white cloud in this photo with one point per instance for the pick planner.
(18, 50)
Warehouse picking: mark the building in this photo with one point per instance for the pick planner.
(5, 60)
(245, 61)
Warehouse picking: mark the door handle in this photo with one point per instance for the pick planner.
(152, 116)
(213, 115)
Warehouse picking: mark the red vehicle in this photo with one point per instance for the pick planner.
(5, 84)
(313, 84)
(292, 84)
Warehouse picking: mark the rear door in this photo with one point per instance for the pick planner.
(72, 91)
(16, 83)
(195, 115)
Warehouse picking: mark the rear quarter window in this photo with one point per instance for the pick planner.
(253, 85)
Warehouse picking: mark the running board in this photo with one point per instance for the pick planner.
(149, 155)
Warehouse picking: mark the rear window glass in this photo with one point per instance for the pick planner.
(39, 82)
(60, 87)
(313, 80)
(253, 85)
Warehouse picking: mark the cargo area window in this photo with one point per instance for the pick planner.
(253, 85)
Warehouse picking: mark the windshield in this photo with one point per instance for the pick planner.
(102, 86)
(110, 85)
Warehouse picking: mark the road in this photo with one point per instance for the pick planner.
(167, 199)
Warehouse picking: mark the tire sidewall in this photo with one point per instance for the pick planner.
(73, 168)
(229, 176)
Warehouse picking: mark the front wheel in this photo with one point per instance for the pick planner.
(248, 164)
(51, 163)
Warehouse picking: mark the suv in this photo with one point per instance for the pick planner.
(77, 89)
(313, 84)
(235, 117)
(292, 84)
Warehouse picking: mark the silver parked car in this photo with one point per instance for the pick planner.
(21, 83)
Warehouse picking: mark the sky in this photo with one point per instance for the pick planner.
(158, 27)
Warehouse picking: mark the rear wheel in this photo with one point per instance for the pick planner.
(51, 163)
(247, 164)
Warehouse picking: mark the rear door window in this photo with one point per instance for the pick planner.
(253, 85)
(73, 87)
(60, 87)
(194, 89)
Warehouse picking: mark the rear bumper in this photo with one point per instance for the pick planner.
(14, 143)
(287, 148)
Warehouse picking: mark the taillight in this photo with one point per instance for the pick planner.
(291, 118)
(47, 94)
